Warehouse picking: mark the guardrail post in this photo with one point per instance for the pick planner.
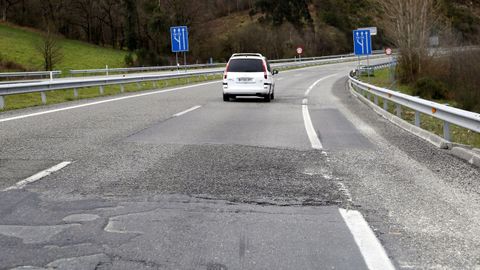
(375, 98)
(399, 110)
(385, 104)
(139, 86)
(2, 103)
(446, 130)
(122, 88)
(101, 90)
(154, 84)
(44, 98)
(417, 118)
(75, 93)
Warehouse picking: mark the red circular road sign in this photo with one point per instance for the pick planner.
(299, 50)
(388, 51)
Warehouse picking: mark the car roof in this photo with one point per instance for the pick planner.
(247, 55)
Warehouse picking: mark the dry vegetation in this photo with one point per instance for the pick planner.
(447, 74)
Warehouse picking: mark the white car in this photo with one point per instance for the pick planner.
(248, 74)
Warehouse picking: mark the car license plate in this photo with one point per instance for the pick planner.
(245, 80)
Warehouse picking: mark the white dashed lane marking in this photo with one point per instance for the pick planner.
(187, 111)
(38, 176)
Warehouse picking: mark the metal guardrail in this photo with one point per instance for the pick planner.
(108, 71)
(371, 68)
(382, 65)
(30, 74)
(376, 52)
(321, 61)
(447, 114)
(100, 81)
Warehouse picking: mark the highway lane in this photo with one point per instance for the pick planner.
(230, 185)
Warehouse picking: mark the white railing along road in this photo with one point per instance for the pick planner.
(447, 114)
(76, 83)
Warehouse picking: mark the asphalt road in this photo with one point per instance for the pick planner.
(179, 179)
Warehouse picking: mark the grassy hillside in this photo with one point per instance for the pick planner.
(18, 45)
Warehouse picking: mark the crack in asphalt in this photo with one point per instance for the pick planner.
(147, 263)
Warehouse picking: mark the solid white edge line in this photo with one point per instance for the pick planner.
(317, 82)
(312, 135)
(370, 247)
(38, 176)
(187, 111)
(103, 101)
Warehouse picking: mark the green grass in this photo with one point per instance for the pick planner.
(381, 78)
(53, 97)
(458, 134)
(19, 45)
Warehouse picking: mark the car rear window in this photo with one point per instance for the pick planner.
(245, 65)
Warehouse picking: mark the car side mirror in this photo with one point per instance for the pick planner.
(275, 72)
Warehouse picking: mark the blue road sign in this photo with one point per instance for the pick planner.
(362, 42)
(179, 37)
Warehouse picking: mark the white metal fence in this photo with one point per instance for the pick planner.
(30, 74)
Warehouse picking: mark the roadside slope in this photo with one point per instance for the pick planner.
(17, 44)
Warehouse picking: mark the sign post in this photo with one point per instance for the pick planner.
(300, 52)
(362, 44)
(389, 52)
(179, 39)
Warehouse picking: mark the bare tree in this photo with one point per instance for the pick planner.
(409, 23)
(50, 49)
(110, 10)
(84, 14)
(6, 5)
(53, 12)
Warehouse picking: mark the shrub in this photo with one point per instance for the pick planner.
(149, 58)
(129, 60)
(6, 65)
(465, 80)
(430, 88)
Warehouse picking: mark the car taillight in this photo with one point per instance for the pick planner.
(226, 72)
(265, 71)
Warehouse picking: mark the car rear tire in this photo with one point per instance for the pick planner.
(272, 96)
(267, 97)
(226, 97)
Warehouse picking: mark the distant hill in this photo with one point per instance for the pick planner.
(218, 28)
(18, 52)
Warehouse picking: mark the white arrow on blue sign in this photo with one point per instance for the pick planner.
(179, 37)
(362, 42)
